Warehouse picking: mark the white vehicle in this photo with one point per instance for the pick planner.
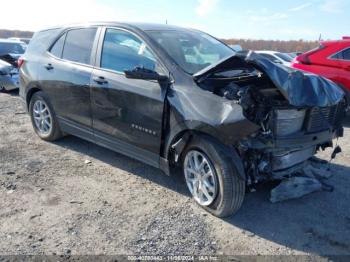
(276, 57)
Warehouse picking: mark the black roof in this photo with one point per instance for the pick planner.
(135, 25)
(150, 26)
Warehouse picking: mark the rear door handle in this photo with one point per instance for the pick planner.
(100, 80)
(49, 66)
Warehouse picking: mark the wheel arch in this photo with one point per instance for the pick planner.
(31, 91)
(181, 133)
(179, 140)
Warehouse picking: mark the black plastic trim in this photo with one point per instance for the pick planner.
(113, 144)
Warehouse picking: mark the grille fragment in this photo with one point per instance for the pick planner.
(322, 118)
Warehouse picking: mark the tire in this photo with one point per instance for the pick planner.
(54, 132)
(230, 186)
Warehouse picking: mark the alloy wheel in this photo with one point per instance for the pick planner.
(200, 177)
(42, 117)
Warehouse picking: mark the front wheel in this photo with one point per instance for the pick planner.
(43, 117)
(212, 177)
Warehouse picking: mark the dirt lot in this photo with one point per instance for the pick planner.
(52, 201)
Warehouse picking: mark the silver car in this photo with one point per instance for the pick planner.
(8, 76)
(10, 52)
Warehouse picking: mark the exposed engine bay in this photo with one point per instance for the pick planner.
(298, 113)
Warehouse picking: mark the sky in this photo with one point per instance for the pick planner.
(250, 19)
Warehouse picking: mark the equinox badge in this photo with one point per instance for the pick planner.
(143, 129)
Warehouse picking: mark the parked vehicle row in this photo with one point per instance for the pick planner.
(294, 54)
(276, 57)
(179, 98)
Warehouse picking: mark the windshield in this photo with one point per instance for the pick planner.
(284, 57)
(191, 50)
(11, 48)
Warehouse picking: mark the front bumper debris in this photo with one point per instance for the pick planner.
(306, 181)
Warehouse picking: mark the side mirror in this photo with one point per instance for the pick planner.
(144, 74)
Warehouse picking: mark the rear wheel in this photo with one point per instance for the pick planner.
(212, 178)
(43, 117)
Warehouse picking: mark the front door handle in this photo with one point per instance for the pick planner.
(49, 66)
(100, 80)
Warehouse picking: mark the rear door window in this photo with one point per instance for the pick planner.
(78, 45)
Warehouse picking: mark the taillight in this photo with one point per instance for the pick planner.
(20, 62)
(305, 58)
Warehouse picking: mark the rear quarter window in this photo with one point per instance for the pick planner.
(337, 56)
(41, 41)
(346, 54)
(57, 48)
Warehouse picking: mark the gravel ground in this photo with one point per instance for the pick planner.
(73, 197)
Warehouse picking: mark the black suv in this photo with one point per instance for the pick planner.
(174, 97)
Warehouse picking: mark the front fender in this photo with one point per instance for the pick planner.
(201, 111)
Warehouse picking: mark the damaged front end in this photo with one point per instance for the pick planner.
(8, 73)
(298, 113)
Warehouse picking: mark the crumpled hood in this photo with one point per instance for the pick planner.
(301, 89)
(298, 87)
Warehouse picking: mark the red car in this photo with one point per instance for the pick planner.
(331, 60)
